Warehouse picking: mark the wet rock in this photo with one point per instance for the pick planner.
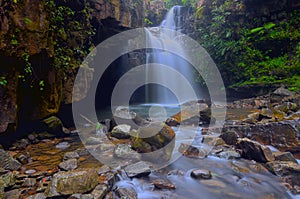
(109, 179)
(71, 182)
(284, 156)
(212, 140)
(2, 193)
(192, 115)
(13, 194)
(228, 155)
(7, 179)
(70, 164)
(53, 125)
(152, 137)
(93, 141)
(163, 184)
(277, 134)
(123, 115)
(266, 113)
(71, 155)
(254, 150)
(121, 131)
(287, 107)
(201, 174)
(124, 151)
(279, 93)
(172, 122)
(125, 192)
(62, 145)
(37, 196)
(81, 196)
(103, 169)
(21, 144)
(30, 171)
(192, 151)
(138, 169)
(29, 182)
(7, 162)
(229, 137)
(100, 191)
(289, 172)
(23, 159)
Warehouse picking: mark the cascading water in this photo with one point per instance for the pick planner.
(167, 36)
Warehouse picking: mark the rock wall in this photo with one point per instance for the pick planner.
(40, 53)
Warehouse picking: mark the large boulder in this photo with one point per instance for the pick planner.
(71, 182)
(156, 136)
(255, 151)
(195, 114)
(282, 135)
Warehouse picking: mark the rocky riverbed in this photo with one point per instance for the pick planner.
(255, 155)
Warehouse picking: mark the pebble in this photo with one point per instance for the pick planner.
(30, 171)
(63, 145)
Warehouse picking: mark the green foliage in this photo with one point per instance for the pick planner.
(188, 3)
(63, 22)
(267, 54)
(3, 81)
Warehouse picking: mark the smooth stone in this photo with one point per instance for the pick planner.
(30, 171)
(163, 184)
(63, 145)
(201, 174)
(138, 169)
(70, 164)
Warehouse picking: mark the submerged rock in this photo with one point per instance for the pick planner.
(71, 182)
(254, 150)
(7, 162)
(71, 155)
(138, 169)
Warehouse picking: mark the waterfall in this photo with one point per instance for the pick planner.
(166, 35)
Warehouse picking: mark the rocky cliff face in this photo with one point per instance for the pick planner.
(42, 44)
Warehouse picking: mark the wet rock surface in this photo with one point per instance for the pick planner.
(71, 182)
